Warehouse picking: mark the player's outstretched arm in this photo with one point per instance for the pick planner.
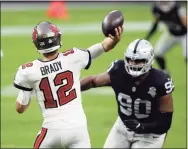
(99, 80)
(107, 44)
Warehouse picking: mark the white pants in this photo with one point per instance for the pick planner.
(63, 138)
(166, 42)
(119, 137)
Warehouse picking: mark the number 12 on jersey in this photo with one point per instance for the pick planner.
(65, 92)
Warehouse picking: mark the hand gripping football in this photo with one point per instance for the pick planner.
(111, 21)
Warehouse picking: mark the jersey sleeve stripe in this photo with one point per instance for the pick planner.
(40, 138)
(22, 88)
(89, 61)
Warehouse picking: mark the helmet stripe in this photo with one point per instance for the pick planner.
(136, 46)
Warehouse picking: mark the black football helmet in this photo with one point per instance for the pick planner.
(46, 37)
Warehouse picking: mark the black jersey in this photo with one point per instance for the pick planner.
(138, 102)
(171, 19)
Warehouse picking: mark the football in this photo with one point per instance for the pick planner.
(111, 21)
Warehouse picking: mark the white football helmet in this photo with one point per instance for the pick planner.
(139, 50)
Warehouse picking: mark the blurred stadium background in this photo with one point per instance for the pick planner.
(81, 28)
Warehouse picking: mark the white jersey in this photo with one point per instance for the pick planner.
(57, 87)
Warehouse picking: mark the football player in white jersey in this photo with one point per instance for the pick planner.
(55, 81)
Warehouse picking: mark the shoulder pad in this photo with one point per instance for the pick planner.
(115, 65)
(164, 81)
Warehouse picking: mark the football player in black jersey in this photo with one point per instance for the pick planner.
(143, 95)
(173, 15)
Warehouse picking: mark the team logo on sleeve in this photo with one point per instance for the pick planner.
(152, 91)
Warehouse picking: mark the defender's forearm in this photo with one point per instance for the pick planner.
(99, 80)
(87, 83)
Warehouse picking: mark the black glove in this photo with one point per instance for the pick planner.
(134, 125)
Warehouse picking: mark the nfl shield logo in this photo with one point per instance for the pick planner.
(133, 88)
(152, 91)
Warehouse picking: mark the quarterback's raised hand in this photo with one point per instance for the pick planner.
(111, 41)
